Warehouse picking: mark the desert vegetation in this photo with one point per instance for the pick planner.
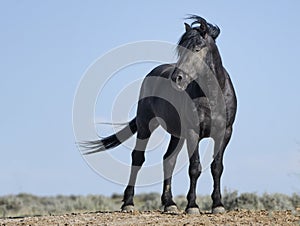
(30, 205)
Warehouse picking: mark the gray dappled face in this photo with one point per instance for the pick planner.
(194, 60)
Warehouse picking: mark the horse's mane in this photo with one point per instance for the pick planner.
(192, 36)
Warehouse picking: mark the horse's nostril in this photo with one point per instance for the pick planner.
(178, 79)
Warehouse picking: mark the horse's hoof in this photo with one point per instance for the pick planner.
(128, 209)
(219, 209)
(193, 210)
(171, 209)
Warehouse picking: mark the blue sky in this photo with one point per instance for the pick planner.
(46, 46)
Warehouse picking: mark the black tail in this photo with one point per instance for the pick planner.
(112, 141)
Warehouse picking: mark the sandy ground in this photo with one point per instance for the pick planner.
(241, 217)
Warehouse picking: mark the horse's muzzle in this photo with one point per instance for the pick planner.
(179, 80)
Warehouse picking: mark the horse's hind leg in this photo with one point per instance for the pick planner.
(170, 158)
(138, 158)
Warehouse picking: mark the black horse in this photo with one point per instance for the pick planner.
(191, 99)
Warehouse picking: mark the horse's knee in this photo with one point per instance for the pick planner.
(195, 169)
(138, 158)
(217, 167)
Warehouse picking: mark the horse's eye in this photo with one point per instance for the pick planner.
(197, 49)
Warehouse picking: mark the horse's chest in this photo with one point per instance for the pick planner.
(204, 115)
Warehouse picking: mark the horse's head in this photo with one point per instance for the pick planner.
(196, 50)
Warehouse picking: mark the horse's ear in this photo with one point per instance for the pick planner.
(203, 25)
(187, 27)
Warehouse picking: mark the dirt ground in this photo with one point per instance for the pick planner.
(241, 217)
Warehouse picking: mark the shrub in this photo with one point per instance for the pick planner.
(276, 202)
(230, 200)
(249, 201)
(295, 200)
(30, 205)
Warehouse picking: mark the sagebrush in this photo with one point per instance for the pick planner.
(31, 205)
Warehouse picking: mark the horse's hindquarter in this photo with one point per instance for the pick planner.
(176, 109)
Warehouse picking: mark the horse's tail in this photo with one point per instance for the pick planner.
(112, 141)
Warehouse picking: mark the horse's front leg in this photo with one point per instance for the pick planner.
(170, 158)
(194, 172)
(217, 170)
